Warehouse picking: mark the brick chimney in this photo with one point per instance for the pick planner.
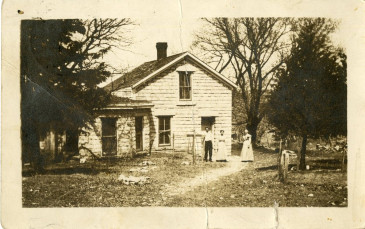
(161, 50)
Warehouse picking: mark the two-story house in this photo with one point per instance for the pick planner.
(161, 105)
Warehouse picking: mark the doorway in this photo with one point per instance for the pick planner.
(139, 133)
(207, 122)
(109, 136)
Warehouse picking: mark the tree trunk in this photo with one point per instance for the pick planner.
(252, 129)
(30, 145)
(302, 152)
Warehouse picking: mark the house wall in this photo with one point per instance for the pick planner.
(210, 97)
(125, 132)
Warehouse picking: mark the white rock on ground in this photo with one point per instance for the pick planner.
(133, 180)
(144, 163)
(143, 169)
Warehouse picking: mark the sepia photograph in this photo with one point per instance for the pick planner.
(182, 114)
(252, 114)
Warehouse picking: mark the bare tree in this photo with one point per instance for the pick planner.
(251, 49)
(99, 37)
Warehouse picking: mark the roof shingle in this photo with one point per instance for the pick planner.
(139, 73)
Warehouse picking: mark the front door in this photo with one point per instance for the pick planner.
(109, 136)
(139, 133)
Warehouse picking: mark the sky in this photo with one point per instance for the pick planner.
(146, 33)
(177, 32)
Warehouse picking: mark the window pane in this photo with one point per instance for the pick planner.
(167, 123)
(139, 133)
(139, 141)
(139, 125)
(187, 79)
(167, 137)
(160, 139)
(181, 79)
(185, 93)
(109, 146)
(161, 123)
(108, 126)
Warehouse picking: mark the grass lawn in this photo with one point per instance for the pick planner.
(96, 184)
(258, 186)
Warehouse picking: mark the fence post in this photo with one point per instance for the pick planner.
(188, 144)
(286, 166)
(283, 166)
(173, 145)
(279, 161)
(194, 147)
(344, 155)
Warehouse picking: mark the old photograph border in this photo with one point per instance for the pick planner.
(13, 215)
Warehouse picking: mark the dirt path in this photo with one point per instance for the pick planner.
(233, 165)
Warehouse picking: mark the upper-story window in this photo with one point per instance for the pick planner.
(185, 85)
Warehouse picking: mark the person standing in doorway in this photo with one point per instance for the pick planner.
(208, 139)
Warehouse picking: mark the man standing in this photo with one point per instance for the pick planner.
(208, 139)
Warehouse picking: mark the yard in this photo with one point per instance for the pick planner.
(258, 186)
(173, 182)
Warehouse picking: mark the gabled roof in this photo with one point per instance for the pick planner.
(140, 72)
(148, 70)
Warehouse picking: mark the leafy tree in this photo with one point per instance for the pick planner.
(251, 49)
(61, 66)
(309, 98)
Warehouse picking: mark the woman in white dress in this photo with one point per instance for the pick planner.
(246, 152)
(222, 151)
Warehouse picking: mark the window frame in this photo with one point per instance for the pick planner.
(168, 131)
(189, 75)
(104, 136)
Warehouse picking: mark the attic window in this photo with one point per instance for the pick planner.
(185, 85)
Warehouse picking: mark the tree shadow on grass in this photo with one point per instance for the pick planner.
(329, 164)
(265, 150)
(66, 171)
(319, 164)
(274, 167)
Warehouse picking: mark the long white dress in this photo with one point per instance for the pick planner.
(222, 150)
(246, 152)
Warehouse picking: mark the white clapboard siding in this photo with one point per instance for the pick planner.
(209, 96)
